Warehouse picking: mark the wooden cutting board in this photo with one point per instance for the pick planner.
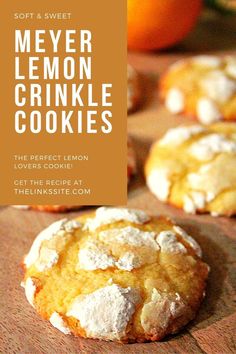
(21, 329)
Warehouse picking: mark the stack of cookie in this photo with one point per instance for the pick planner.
(120, 274)
(185, 167)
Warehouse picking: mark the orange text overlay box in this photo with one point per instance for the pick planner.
(63, 110)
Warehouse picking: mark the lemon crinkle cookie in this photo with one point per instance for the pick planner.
(203, 86)
(194, 167)
(116, 274)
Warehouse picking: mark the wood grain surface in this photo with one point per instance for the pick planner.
(213, 331)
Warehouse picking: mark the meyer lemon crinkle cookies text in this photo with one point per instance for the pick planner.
(54, 71)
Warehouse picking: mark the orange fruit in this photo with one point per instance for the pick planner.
(155, 24)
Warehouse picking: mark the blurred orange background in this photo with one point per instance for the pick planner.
(159, 24)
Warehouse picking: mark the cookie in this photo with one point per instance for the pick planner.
(49, 208)
(131, 160)
(203, 86)
(133, 89)
(194, 167)
(116, 274)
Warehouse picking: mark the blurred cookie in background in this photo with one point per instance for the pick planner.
(203, 86)
(49, 208)
(133, 89)
(194, 168)
(131, 160)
